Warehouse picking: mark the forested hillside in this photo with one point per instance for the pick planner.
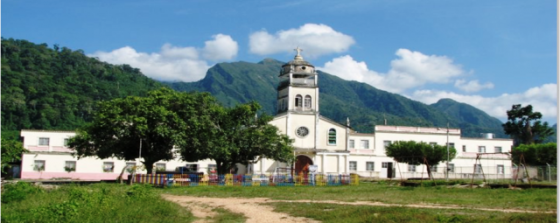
(365, 105)
(57, 88)
(469, 117)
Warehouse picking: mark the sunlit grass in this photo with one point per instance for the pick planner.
(351, 213)
(94, 203)
(390, 192)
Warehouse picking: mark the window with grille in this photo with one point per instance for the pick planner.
(39, 165)
(369, 166)
(160, 166)
(66, 142)
(70, 166)
(433, 168)
(464, 148)
(365, 144)
(353, 165)
(192, 167)
(307, 102)
(332, 137)
(497, 149)
(500, 169)
(130, 166)
(451, 168)
(386, 144)
(451, 145)
(482, 149)
(478, 168)
(411, 168)
(108, 167)
(385, 164)
(351, 144)
(44, 141)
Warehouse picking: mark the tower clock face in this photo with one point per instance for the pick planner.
(302, 131)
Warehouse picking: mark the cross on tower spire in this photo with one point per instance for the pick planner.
(298, 50)
(298, 55)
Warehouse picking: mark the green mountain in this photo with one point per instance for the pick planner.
(57, 88)
(366, 106)
(470, 118)
(239, 82)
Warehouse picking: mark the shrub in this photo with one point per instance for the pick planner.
(141, 191)
(18, 191)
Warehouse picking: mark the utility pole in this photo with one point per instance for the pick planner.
(139, 157)
(447, 168)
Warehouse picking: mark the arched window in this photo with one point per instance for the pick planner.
(307, 102)
(332, 137)
(298, 101)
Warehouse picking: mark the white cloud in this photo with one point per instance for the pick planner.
(347, 68)
(412, 69)
(223, 47)
(542, 98)
(472, 86)
(174, 63)
(314, 39)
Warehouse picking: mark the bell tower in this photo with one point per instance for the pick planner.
(298, 91)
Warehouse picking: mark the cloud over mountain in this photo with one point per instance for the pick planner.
(315, 39)
(543, 99)
(412, 69)
(472, 86)
(173, 63)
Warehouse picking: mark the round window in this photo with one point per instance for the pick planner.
(302, 131)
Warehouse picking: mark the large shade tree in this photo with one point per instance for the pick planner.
(535, 154)
(152, 124)
(525, 127)
(237, 136)
(416, 153)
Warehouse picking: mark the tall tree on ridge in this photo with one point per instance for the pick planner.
(524, 125)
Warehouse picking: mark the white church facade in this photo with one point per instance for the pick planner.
(333, 148)
(321, 145)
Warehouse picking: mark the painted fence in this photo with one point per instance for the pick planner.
(252, 180)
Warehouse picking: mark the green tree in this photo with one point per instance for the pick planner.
(524, 125)
(155, 123)
(11, 152)
(536, 154)
(236, 135)
(416, 153)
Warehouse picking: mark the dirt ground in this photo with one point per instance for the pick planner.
(255, 210)
(251, 208)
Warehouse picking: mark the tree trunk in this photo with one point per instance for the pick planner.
(429, 171)
(149, 164)
(221, 168)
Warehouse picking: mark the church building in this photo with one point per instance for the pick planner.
(329, 147)
(321, 145)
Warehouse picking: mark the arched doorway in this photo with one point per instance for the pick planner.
(302, 165)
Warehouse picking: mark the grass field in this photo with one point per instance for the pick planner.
(390, 192)
(113, 202)
(92, 203)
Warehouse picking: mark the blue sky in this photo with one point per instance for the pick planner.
(490, 54)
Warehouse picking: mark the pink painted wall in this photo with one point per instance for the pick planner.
(72, 175)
